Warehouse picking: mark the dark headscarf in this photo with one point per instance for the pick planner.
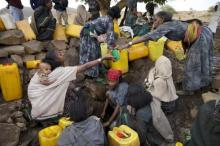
(52, 60)
(166, 16)
(114, 12)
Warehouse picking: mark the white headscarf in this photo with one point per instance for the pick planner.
(160, 81)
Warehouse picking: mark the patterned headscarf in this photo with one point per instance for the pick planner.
(114, 75)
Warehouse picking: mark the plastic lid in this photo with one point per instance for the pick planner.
(178, 144)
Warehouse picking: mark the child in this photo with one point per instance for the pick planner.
(115, 95)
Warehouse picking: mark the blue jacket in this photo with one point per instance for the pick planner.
(35, 3)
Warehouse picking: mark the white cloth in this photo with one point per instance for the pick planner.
(127, 29)
(48, 101)
(160, 81)
(160, 121)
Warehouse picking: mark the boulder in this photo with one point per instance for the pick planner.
(3, 53)
(74, 43)
(17, 59)
(209, 96)
(18, 50)
(28, 58)
(40, 56)
(9, 135)
(72, 57)
(11, 37)
(216, 82)
(33, 47)
(57, 45)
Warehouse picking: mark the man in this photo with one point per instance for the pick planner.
(15, 7)
(60, 6)
(35, 3)
(94, 9)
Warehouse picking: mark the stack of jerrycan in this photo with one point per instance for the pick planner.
(25, 27)
(10, 82)
(123, 136)
(49, 136)
(73, 30)
(59, 33)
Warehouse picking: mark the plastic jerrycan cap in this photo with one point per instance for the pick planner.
(115, 54)
(178, 144)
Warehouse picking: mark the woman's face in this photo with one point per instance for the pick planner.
(60, 55)
(157, 22)
(112, 84)
(49, 4)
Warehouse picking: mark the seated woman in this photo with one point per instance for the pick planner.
(160, 84)
(86, 130)
(82, 16)
(48, 100)
(149, 121)
(115, 95)
(45, 23)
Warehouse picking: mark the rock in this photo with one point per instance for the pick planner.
(18, 50)
(9, 135)
(206, 97)
(57, 45)
(11, 37)
(96, 90)
(3, 53)
(17, 114)
(17, 59)
(20, 120)
(216, 82)
(21, 125)
(9, 120)
(72, 57)
(28, 58)
(33, 47)
(40, 56)
(74, 43)
(193, 112)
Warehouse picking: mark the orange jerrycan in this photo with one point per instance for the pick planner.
(59, 33)
(156, 48)
(122, 63)
(25, 27)
(64, 122)
(50, 136)
(2, 26)
(73, 30)
(10, 81)
(123, 136)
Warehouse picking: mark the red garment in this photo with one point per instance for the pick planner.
(15, 3)
(114, 75)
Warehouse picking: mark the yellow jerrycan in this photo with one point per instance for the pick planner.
(2, 26)
(10, 81)
(156, 48)
(122, 63)
(123, 136)
(25, 27)
(104, 51)
(177, 48)
(32, 64)
(59, 33)
(73, 30)
(64, 122)
(49, 136)
(137, 52)
(116, 27)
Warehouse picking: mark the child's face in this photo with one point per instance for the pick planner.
(45, 68)
(112, 84)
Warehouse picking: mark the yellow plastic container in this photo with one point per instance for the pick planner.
(50, 135)
(104, 51)
(64, 122)
(156, 48)
(137, 52)
(178, 144)
(2, 26)
(177, 48)
(131, 137)
(139, 44)
(59, 33)
(116, 27)
(73, 30)
(122, 63)
(32, 64)
(10, 81)
(25, 27)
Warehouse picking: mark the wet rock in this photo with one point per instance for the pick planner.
(9, 135)
(3, 53)
(17, 114)
(17, 59)
(9, 120)
(72, 57)
(74, 43)
(33, 47)
(11, 37)
(18, 50)
(28, 58)
(40, 56)
(57, 45)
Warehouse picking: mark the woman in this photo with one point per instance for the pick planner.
(89, 44)
(48, 100)
(198, 41)
(160, 84)
(115, 95)
(86, 130)
(44, 21)
(82, 16)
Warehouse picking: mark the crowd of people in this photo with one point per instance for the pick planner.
(143, 107)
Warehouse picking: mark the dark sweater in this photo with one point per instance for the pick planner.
(60, 5)
(35, 3)
(15, 3)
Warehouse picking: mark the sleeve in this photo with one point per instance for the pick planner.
(38, 12)
(159, 32)
(64, 139)
(122, 91)
(110, 35)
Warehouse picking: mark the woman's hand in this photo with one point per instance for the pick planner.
(106, 124)
(102, 38)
